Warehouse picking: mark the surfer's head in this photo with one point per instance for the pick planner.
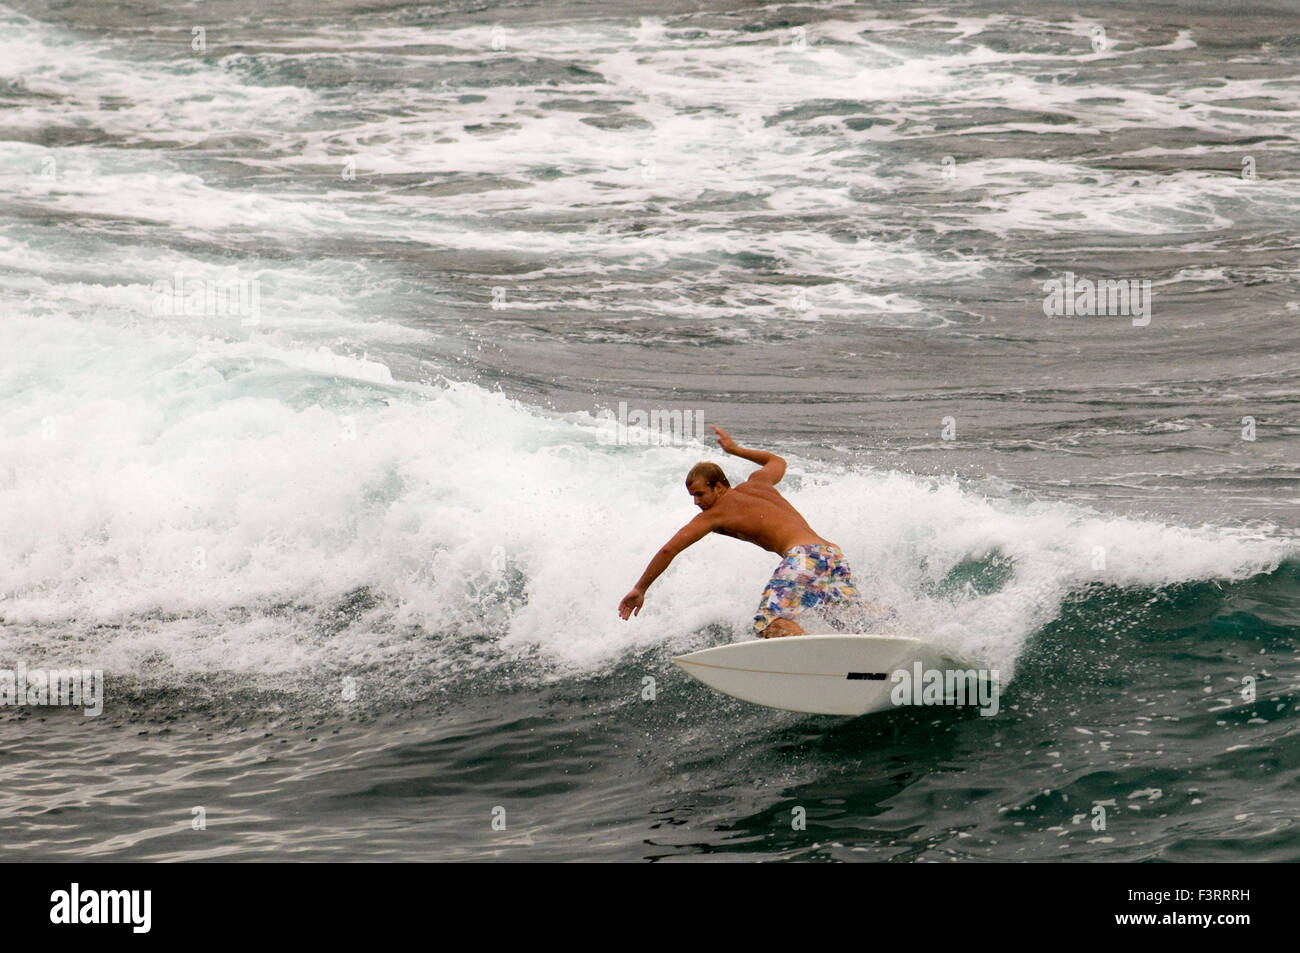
(706, 483)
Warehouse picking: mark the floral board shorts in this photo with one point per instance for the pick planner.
(809, 577)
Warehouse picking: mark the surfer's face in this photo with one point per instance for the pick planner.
(703, 494)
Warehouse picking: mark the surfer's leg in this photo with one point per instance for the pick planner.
(780, 627)
(854, 609)
(775, 616)
(781, 601)
(808, 578)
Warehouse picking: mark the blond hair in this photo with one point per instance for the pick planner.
(711, 472)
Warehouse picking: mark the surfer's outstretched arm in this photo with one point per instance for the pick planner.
(773, 467)
(692, 532)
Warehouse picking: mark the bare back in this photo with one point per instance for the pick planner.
(756, 513)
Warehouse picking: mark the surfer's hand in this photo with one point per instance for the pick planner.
(724, 439)
(631, 604)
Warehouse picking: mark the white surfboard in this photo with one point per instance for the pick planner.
(818, 674)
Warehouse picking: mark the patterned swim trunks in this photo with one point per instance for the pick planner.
(808, 576)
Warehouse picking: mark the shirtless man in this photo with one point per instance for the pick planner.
(813, 570)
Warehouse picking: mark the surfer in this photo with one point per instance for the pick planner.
(813, 571)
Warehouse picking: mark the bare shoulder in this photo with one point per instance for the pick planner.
(760, 487)
(759, 490)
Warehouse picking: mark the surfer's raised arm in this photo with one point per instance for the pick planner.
(773, 467)
(691, 533)
(813, 570)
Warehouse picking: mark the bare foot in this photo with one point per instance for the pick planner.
(779, 628)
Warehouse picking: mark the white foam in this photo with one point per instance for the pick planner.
(182, 479)
(159, 452)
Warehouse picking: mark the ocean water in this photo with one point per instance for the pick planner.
(345, 529)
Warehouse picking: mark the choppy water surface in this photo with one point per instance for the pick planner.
(349, 560)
